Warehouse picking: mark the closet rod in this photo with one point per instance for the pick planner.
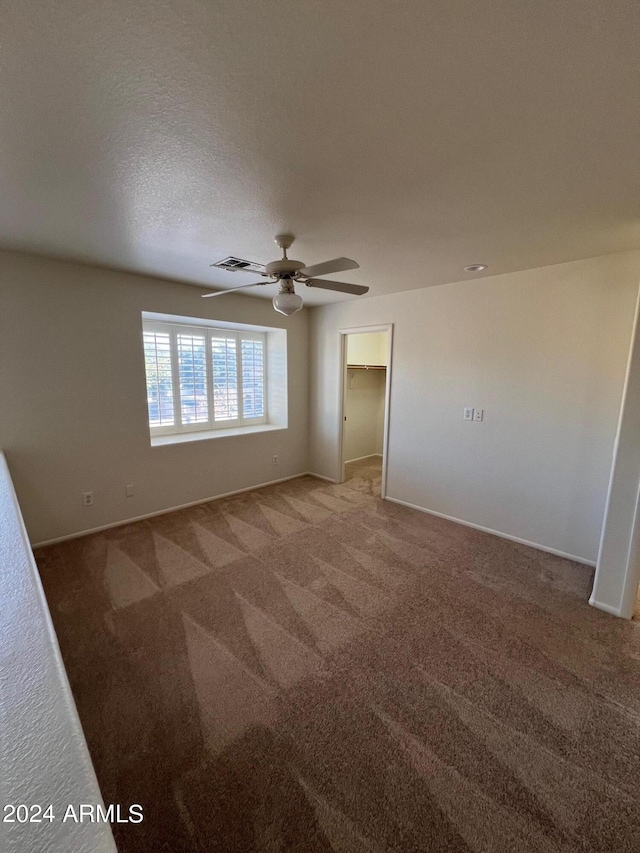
(366, 367)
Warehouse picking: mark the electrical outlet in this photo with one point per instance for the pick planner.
(87, 499)
(274, 458)
(467, 413)
(478, 414)
(129, 490)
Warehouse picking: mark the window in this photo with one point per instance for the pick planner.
(201, 378)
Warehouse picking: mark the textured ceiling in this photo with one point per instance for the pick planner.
(416, 137)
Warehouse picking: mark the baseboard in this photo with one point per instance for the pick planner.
(499, 533)
(109, 526)
(607, 608)
(319, 476)
(359, 458)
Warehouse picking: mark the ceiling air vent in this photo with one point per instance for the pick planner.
(232, 264)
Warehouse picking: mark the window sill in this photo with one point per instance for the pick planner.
(204, 435)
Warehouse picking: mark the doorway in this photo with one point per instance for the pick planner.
(364, 417)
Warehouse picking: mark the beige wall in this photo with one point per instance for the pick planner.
(543, 352)
(368, 348)
(74, 414)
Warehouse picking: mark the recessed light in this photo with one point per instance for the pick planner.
(475, 268)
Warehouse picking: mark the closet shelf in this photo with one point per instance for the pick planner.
(366, 367)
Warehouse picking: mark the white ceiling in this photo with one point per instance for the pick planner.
(416, 136)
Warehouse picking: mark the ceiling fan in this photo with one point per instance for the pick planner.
(286, 272)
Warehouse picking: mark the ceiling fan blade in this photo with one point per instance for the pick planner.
(231, 289)
(336, 265)
(341, 286)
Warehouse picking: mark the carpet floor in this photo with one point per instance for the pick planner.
(308, 668)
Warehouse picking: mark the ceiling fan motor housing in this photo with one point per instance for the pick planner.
(283, 267)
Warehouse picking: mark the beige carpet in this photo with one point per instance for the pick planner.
(307, 668)
(365, 475)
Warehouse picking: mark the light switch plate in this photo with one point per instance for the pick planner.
(478, 414)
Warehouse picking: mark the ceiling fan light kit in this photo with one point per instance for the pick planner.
(287, 271)
(287, 302)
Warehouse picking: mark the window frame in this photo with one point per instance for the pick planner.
(208, 332)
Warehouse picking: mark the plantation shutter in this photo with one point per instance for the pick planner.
(191, 348)
(253, 368)
(224, 364)
(201, 378)
(157, 359)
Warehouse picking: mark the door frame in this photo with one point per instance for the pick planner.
(362, 330)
